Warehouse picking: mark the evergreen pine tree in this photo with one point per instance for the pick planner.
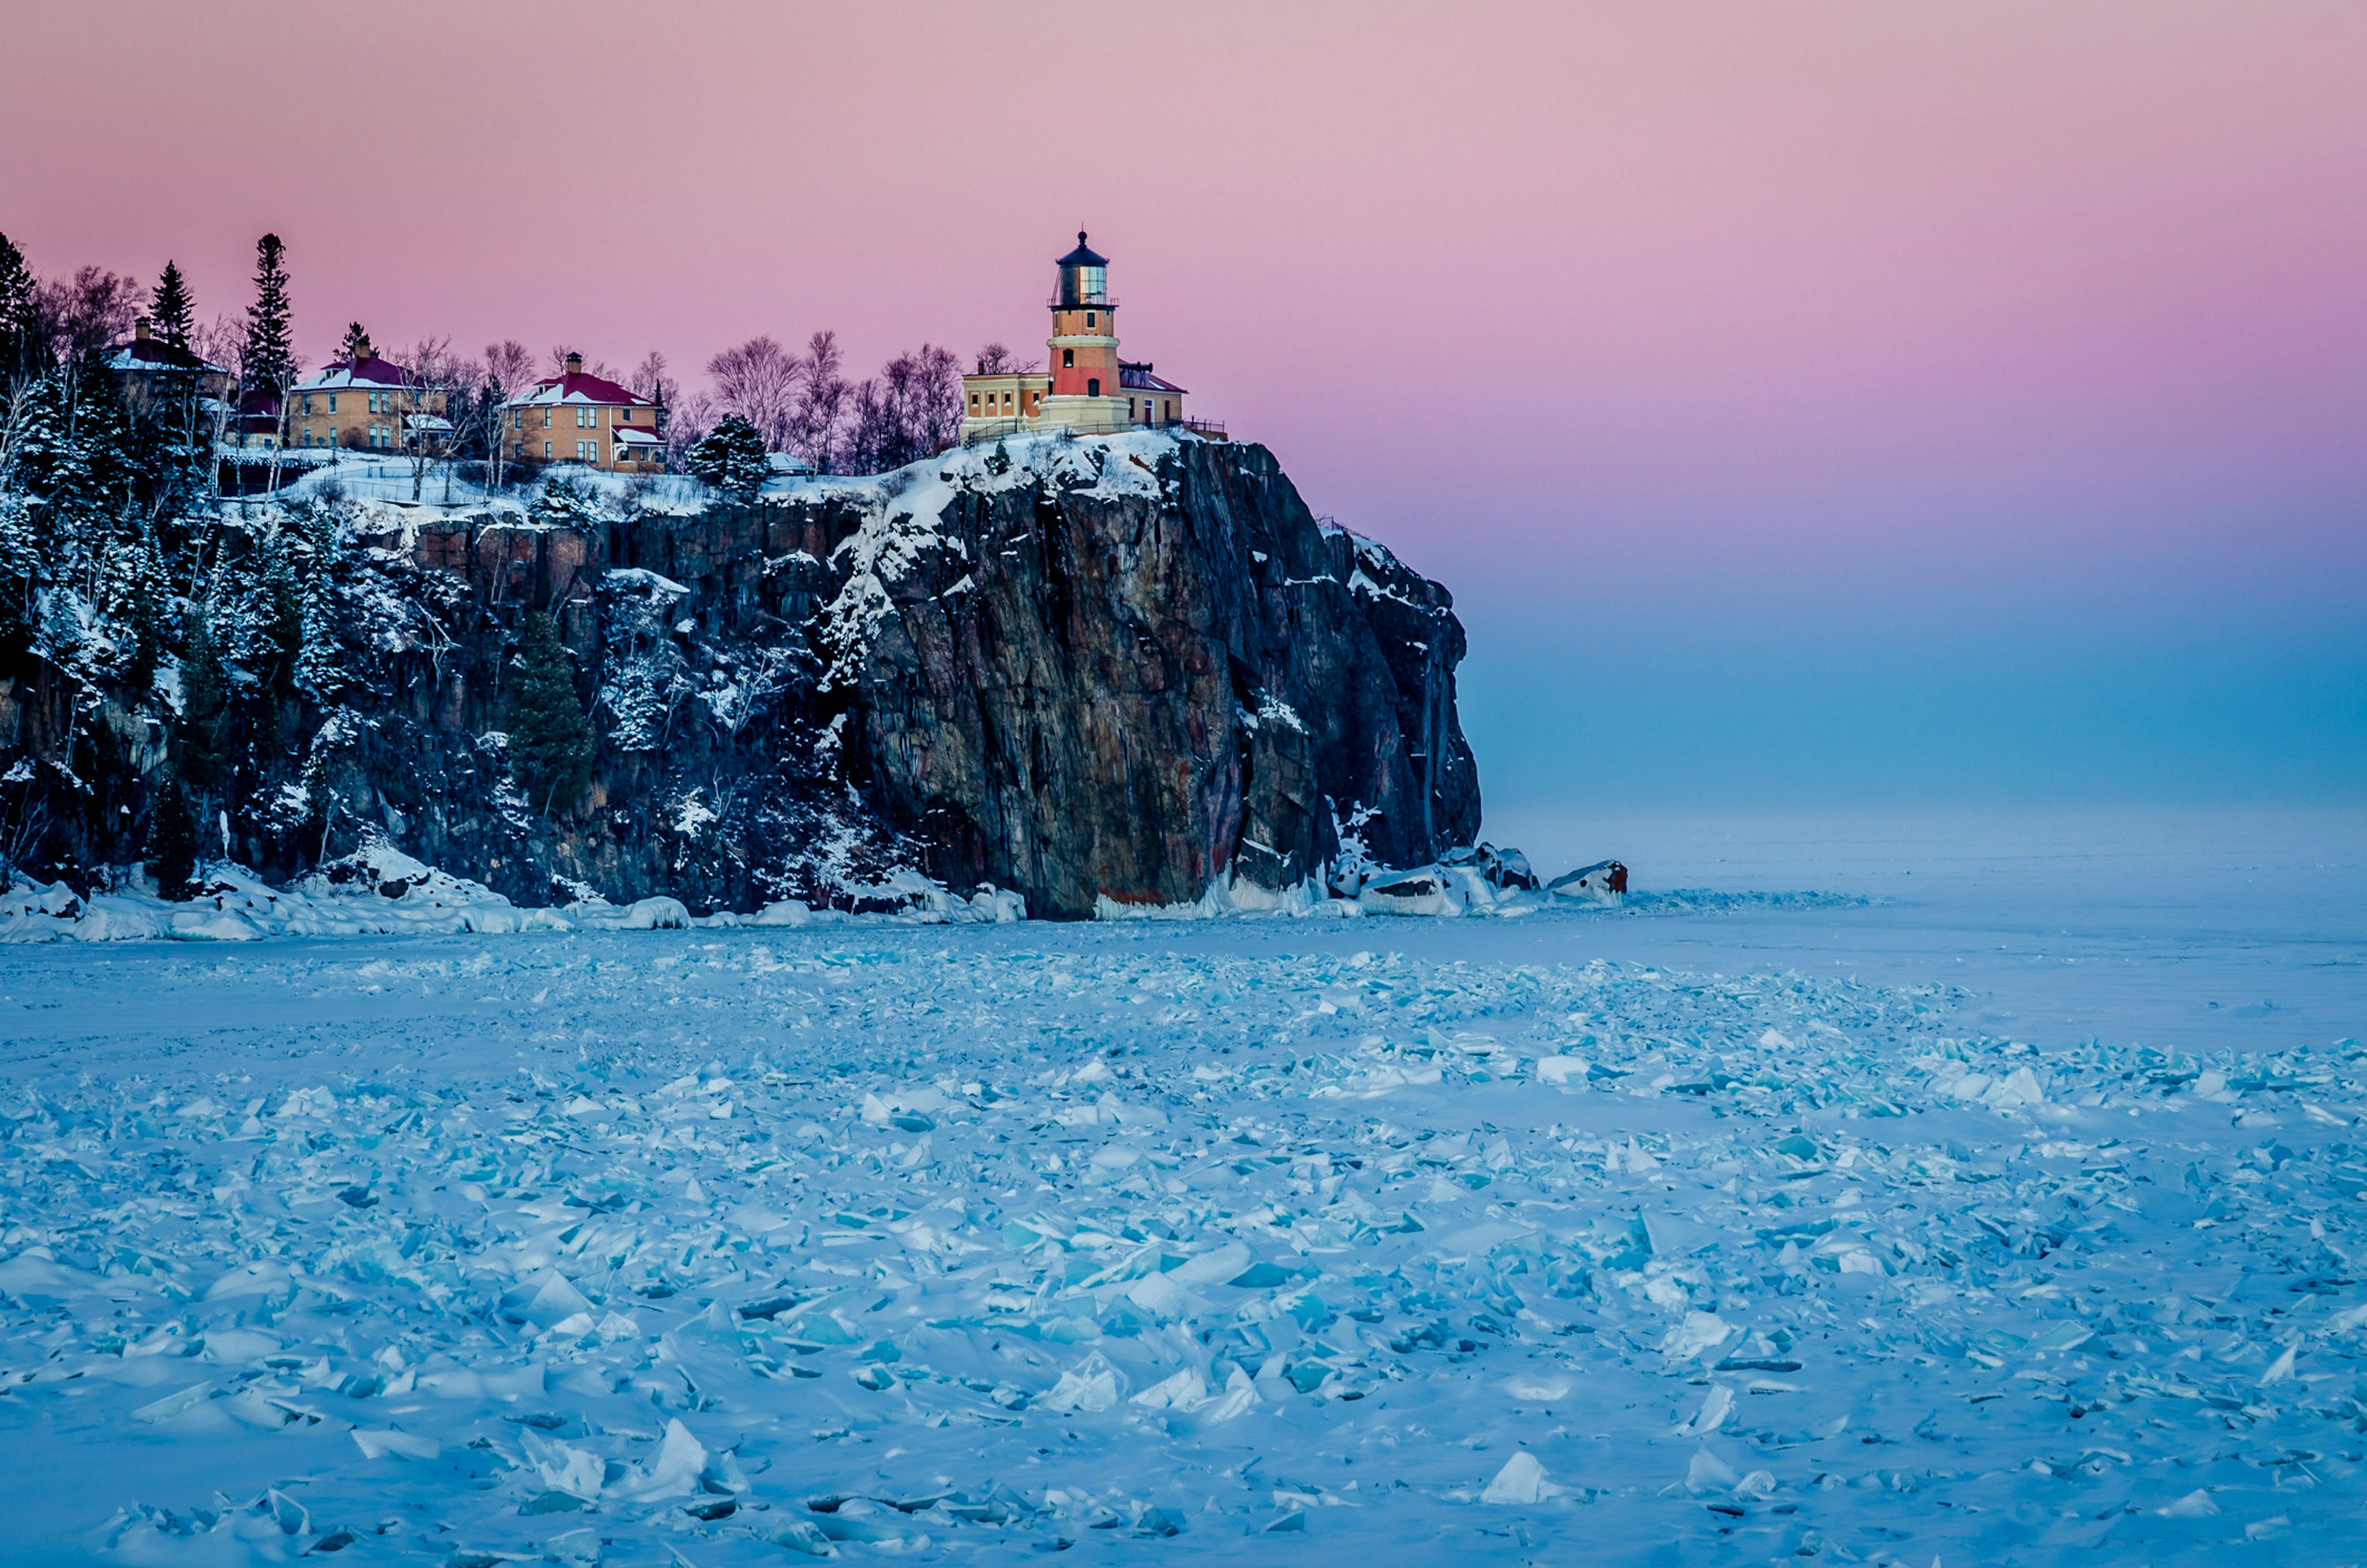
(172, 841)
(205, 707)
(320, 666)
(278, 617)
(19, 354)
(357, 339)
(171, 313)
(20, 349)
(269, 362)
(20, 576)
(549, 739)
(562, 504)
(133, 597)
(101, 426)
(730, 457)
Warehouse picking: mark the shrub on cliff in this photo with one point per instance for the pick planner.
(549, 739)
(730, 457)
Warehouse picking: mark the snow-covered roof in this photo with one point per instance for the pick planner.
(152, 354)
(433, 423)
(580, 386)
(633, 435)
(369, 373)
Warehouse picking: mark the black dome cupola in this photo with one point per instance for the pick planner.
(1084, 277)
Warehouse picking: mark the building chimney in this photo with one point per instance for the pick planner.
(140, 329)
(575, 364)
(361, 348)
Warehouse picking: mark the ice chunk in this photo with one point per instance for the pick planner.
(672, 1471)
(1715, 1406)
(563, 1468)
(2280, 1370)
(2195, 1505)
(1185, 1392)
(174, 1405)
(1561, 1069)
(548, 1301)
(1212, 1268)
(377, 1442)
(1091, 1384)
(1708, 1472)
(1535, 1388)
(1700, 1333)
(1522, 1480)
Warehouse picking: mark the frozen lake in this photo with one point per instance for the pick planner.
(1985, 1189)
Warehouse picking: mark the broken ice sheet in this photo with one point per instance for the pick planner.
(1171, 1218)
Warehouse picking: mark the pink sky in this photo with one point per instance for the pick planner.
(1707, 289)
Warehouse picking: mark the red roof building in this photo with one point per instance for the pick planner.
(577, 417)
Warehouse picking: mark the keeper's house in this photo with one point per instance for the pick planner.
(576, 417)
(1088, 387)
(369, 403)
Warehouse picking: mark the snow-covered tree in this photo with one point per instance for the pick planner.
(564, 504)
(320, 663)
(134, 601)
(730, 457)
(20, 576)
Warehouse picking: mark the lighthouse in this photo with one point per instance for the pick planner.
(1085, 387)
(1083, 343)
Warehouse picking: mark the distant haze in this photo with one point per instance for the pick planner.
(1807, 401)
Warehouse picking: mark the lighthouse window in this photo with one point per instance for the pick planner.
(1068, 359)
(1093, 386)
(1089, 318)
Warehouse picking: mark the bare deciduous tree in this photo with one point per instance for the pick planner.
(757, 381)
(509, 370)
(87, 312)
(821, 394)
(686, 423)
(425, 429)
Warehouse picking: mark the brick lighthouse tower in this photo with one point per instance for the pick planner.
(1086, 376)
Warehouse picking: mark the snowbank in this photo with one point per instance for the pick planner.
(380, 891)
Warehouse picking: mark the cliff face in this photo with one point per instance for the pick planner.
(1109, 668)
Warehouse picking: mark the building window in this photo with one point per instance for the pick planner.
(973, 402)
(545, 424)
(517, 419)
(1129, 408)
(546, 450)
(1166, 410)
(1093, 386)
(307, 405)
(333, 402)
(1089, 318)
(1067, 362)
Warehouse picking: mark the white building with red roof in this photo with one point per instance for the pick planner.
(577, 417)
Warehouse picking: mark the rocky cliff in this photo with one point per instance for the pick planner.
(1118, 668)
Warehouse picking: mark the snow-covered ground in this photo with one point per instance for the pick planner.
(1988, 1190)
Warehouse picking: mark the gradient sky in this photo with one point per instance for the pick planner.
(1806, 402)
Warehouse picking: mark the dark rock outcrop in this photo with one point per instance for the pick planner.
(1116, 668)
